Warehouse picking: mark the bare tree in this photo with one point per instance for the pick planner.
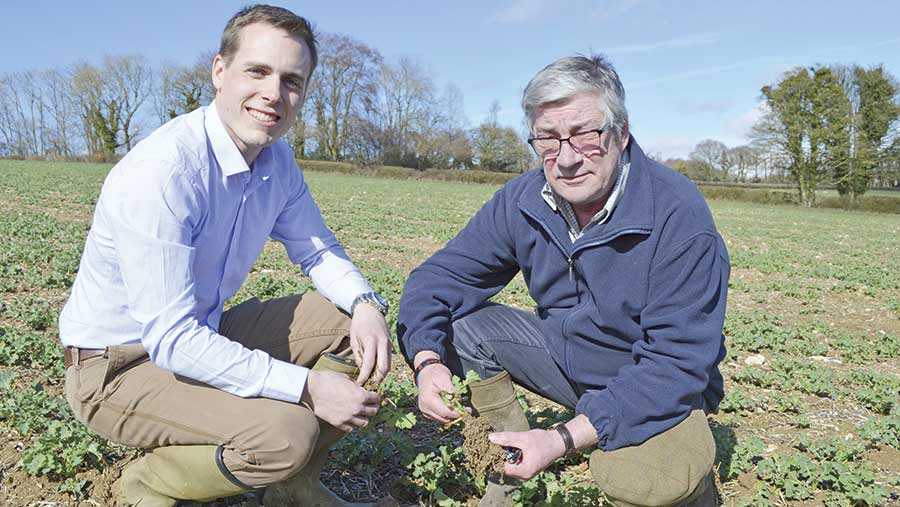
(712, 154)
(405, 106)
(58, 92)
(130, 81)
(345, 82)
(181, 89)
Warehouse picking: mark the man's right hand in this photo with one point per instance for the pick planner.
(433, 380)
(338, 400)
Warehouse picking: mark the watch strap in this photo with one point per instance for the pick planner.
(566, 435)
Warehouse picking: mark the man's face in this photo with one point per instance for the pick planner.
(259, 92)
(584, 180)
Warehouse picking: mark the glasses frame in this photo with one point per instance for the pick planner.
(531, 141)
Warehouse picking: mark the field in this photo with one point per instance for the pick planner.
(810, 417)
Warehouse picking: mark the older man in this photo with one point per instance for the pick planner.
(224, 401)
(629, 275)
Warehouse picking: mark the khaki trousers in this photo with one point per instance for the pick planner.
(127, 399)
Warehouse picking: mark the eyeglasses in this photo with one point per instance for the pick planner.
(581, 142)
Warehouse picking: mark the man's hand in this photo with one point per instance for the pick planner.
(338, 400)
(539, 448)
(433, 380)
(371, 343)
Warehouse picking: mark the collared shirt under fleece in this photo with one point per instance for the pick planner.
(632, 311)
(180, 221)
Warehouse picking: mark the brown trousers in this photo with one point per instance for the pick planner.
(127, 399)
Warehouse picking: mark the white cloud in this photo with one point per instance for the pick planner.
(687, 41)
(518, 12)
(738, 127)
(613, 8)
(668, 146)
(526, 11)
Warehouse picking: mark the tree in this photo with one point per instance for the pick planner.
(130, 81)
(711, 155)
(403, 110)
(878, 109)
(806, 125)
(345, 83)
(743, 159)
(58, 92)
(499, 148)
(181, 89)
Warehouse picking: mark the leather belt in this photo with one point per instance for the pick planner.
(75, 355)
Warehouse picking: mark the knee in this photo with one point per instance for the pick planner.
(287, 441)
(663, 471)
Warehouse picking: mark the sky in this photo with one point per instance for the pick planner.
(691, 70)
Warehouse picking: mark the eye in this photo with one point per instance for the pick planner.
(256, 72)
(296, 84)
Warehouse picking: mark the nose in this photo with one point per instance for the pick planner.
(567, 157)
(271, 89)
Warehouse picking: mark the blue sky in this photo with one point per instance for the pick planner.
(692, 70)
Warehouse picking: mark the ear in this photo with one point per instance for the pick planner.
(626, 135)
(218, 68)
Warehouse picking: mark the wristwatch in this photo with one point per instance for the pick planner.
(373, 298)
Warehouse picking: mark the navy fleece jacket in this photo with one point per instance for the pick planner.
(632, 311)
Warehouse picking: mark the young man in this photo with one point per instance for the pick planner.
(225, 402)
(629, 275)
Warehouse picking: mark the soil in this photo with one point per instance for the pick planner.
(482, 457)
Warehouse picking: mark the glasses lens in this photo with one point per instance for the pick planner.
(586, 141)
(545, 147)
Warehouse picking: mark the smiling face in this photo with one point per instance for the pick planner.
(584, 180)
(260, 90)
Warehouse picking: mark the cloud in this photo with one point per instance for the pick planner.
(613, 8)
(687, 41)
(738, 127)
(527, 11)
(676, 146)
(520, 12)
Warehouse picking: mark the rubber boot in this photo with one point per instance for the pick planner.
(495, 400)
(168, 474)
(305, 489)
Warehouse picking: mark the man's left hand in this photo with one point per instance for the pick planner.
(371, 343)
(539, 449)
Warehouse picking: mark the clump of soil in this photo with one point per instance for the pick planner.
(482, 457)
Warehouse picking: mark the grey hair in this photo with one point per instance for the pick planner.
(567, 77)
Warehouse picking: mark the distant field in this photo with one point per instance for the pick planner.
(811, 415)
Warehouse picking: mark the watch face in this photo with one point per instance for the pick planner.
(380, 300)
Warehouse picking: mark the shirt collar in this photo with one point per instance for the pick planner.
(559, 205)
(227, 153)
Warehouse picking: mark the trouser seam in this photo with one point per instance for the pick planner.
(309, 334)
(150, 417)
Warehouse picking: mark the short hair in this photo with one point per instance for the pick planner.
(277, 17)
(563, 79)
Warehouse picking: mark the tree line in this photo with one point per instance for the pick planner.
(824, 125)
(835, 125)
(360, 107)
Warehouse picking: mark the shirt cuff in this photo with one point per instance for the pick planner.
(285, 381)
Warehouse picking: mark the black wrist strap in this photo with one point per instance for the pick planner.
(421, 366)
(566, 435)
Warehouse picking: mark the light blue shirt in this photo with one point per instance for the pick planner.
(179, 224)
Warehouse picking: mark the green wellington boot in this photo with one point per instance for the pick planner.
(495, 400)
(168, 474)
(305, 489)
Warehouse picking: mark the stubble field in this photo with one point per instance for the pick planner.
(810, 417)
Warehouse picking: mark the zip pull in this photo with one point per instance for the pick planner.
(571, 271)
